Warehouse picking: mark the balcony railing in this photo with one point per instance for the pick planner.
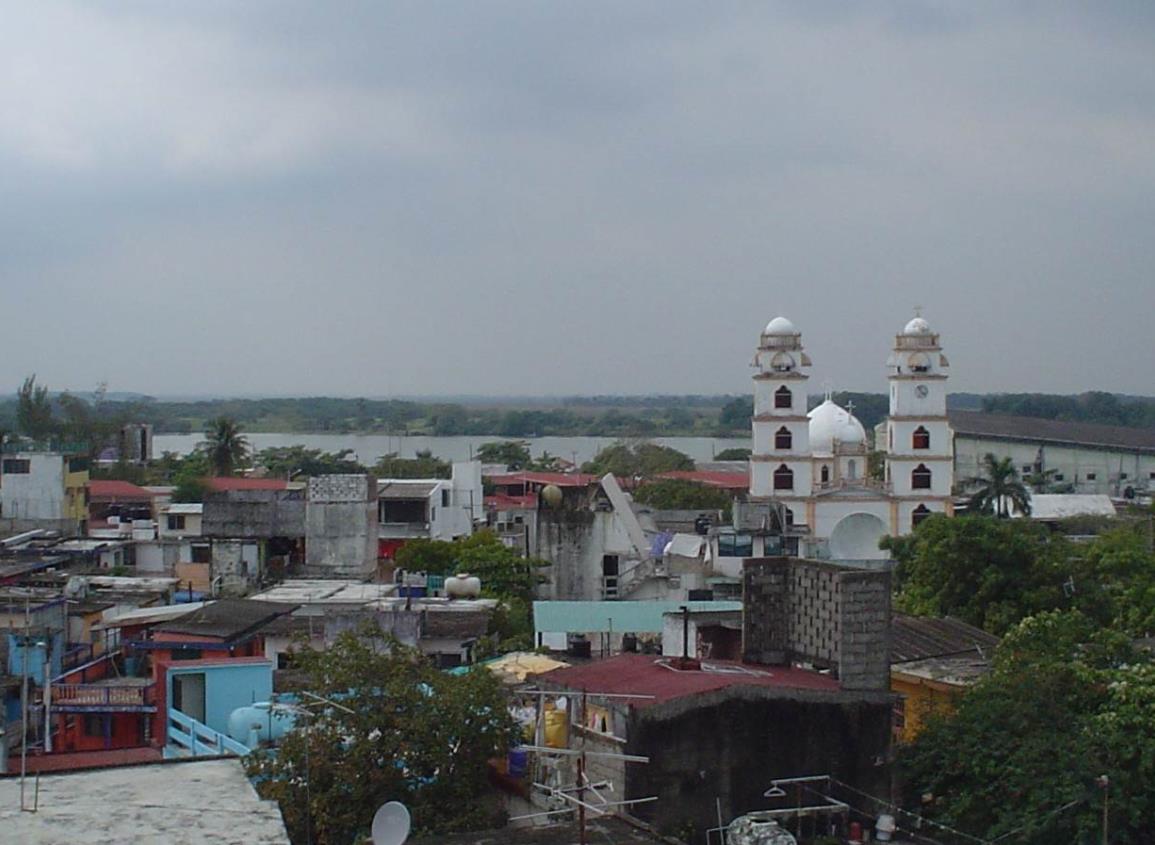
(189, 738)
(101, 697)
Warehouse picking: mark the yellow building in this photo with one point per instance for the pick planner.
(933, 662)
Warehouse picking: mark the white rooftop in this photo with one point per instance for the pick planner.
(144, 615)
(145, 805)
(437, 605)
(325, 591)
(184, 507)
(1062, 505)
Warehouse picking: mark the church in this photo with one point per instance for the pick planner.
(812, 489)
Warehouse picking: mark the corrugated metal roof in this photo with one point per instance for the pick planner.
(1005, 426)
(919, 638)
(225, 619)
(106, 489)
(638, 617)
(1061, 505)
(406, 489)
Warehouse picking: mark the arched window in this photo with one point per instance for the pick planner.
(782, 363)
(783, 478)
(783, 398)
(921, 438)
(920, 513)
(825, 474)
(852, 470)
(783, 439)
(789, 516)
(920, 478)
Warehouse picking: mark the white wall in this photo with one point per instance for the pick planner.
(37, 494)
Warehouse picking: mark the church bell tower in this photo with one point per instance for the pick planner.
(780, 466)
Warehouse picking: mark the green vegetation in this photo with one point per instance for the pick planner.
(299, 462)
(637, 460)
(678, 494)
(227, 449)
(1091, 407)
(1000, 491)
(422, 466)
(404, 731)
(733, 455)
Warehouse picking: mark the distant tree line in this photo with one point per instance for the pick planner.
(1091, 407)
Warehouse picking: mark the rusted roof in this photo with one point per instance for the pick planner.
(1005, 426)
(559, 479)
(226, 619)
(711, 478)
(920, 638)
(118, 490)
(643, 674)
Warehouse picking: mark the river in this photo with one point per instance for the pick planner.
(367, 448)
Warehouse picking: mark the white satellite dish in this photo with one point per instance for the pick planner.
(391, 824)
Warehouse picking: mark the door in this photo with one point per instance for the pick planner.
(188, 694)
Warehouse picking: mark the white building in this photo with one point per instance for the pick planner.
(434, 508)
(42, 489)
(809, 481)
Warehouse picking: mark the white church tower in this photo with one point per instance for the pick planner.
(919, 447)
(780, 465)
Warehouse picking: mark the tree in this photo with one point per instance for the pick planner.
(733, 455)
(286, 461)
(1066, 701)
(512, 454)
(736, 413)
(680, 494)
(34, 417)
(404, 731)
(226, 447)
(424, 465)
(639, 460)
(1000, 489)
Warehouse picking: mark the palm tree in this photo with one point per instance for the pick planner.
(225, 446)
(1000, 489)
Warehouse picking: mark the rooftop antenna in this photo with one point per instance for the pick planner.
(391, 824)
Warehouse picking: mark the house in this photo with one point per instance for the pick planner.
(430, 508)
(252, 527)
(341, 525)
(932, 663)
(179, 520)
(558, 623)
(42, 488)
(118, 506)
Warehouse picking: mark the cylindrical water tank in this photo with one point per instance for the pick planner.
(463, 586)
(268, 723)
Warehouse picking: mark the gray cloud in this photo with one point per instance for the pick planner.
(362, 198)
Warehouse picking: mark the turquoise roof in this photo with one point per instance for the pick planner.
(638, 617)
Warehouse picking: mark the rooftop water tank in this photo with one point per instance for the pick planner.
(261, 721)
(463, 586)
(756, 829)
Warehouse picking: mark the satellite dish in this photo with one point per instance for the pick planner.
(391, 824)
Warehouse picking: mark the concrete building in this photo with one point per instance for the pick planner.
(1069, 457)
(432, 508)
(42, 489)
(341, 531)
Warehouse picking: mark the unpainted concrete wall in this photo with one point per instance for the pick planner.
(341, 524)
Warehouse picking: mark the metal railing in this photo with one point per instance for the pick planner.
(100, 696)
(195, 739)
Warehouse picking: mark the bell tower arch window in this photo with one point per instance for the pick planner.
(920, 513)
(783, 439)
(783, 478)
(783, 398)
(920, 478)
(825, 474)
(921, 438)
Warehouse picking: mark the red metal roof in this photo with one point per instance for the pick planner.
(723, 480)
(644, 674)
(103, 489)
(220, 485)
(503, 502)
(561, 479)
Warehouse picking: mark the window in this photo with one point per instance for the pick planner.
(783, 398)
(735, 545)
(202, 553)
(1028, 469)
(444, 498)
(1058, 476)
(852, 470)
(1091, 476)
(921, 438)
(19, 466)
(175, 522)
(920, 513)
(783, 439)
(825, 474)
(78, 464)
(93, 725)
(1151, 475)
(783, 478)
(1122, 477)
(920, 478)
(186, 654)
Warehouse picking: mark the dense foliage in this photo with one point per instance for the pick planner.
(678, 494)
(404, 731)
(637, 460)
(1000, 490)
(1091, 407)
(301, 462)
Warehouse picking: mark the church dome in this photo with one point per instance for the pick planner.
(780, 326)
(830, 422)
(917, 326)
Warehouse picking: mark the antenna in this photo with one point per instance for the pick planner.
(391, 824)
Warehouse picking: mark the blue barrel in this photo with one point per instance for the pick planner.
(518, 762)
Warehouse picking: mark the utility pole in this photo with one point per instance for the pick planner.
(1104, 783)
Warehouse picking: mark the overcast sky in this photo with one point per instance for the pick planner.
(373, 198)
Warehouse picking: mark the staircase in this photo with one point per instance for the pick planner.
(189, 738)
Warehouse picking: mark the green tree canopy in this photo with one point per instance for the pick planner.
(733, 455)
(404, 732)
(679, 494)
(424, 465)
(1000, 490)
(513, 454)
(283, 461)
(637, 460)
(226, 447)
(34, 417)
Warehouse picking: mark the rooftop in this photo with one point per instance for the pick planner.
(222, 485)
(109, 807)
(1063, 505)
(118, 490)
(919, 638)
(644, 674)
(712, 478)
(560, 479)
(190, 508)
(325, 591)
(1005, 426)
(406, 489)
(637, 617)
(226, 619)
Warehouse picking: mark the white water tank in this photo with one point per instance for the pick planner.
(463, 586)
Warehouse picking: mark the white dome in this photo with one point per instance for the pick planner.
(780, 326)
(917, 326)
(830, 422)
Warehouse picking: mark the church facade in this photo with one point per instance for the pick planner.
(810, 478)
